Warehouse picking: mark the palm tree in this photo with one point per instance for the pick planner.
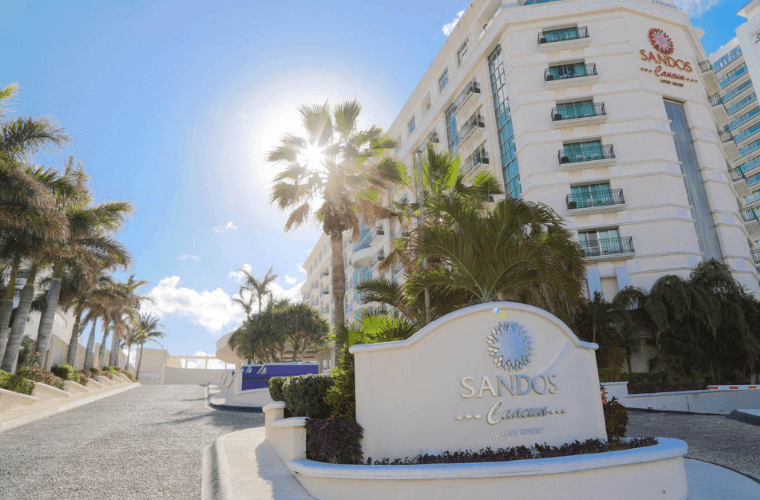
(81, 298)
(99, 303)
(88, 250)
(515, 250)
(123, 313)
(306, 329)
(257, 288)
(332, 163)
(629, 303)
(147, 330)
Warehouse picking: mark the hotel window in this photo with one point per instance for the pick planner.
(504, 130)
(462, 53)
(600, 242)
(579, 109)
(566, 71)
(591, 195)
(412, 126)
(451, 129)
(582, 151)
(443, 80)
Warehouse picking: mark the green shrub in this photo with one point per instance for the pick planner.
(304, 395)
(342, 395)
(112, 370)
(615, 419)
(65, 371)
(128, 375)
(83, 376)
(16, 383)
(612, 375)
(275, 388)
(333, 440)
(40, 375)
(94, 370)
(644, 383)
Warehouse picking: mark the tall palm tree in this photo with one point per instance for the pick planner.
(123, 313)
(148, 330)
(515, 250)
(99, 303)
(81, 299)
(629, 302)
(88, 250)
(332, 163)
(257, 288)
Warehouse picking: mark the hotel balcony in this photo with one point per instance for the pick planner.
(751, 219)
(752, 200)
(472, 87)
(596, 202)
(563, 39)
(606, 248)
(570, 74)
(578, 114)
(473, 123)
(377, 235)
(580, 157)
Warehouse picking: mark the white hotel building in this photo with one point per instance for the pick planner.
(602, 109)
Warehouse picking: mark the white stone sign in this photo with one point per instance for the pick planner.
(493, 375)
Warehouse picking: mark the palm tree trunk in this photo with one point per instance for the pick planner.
(48, 316)
(628, 359)
(114, 358)
(19, 323)
(71, 356)
(6, 309)
(338, 277)
(139, 362)
(90, 345)
(129, 348)
(102, 352)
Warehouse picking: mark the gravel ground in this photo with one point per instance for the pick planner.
(711, 438)
(145, 443)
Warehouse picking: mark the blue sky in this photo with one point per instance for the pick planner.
(173, 105)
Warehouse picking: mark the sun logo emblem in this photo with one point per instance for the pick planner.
(510, 345)
(661, 41)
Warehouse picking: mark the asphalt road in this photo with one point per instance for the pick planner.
(145, 443)
(711, 438)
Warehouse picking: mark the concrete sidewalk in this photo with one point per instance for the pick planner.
(242, 466)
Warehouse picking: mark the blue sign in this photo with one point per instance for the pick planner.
(257, 376)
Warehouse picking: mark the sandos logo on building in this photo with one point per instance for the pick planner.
(661, 41)
(664, 47)
(510, 345)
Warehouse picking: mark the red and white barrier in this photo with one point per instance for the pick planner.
(732, 387)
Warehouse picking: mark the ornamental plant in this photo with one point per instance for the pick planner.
(65, 371)
(15, 383)
(615, 418)
(304, 395)
(275, 388)
(40, 375)
(334, 440)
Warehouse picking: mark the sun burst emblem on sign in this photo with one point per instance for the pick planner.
(661, 41)
(510, 345)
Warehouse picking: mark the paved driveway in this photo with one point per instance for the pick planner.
(145, 443)
(711, 438)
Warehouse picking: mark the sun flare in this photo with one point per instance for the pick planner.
(311, 157)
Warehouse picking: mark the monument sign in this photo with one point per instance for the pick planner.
(493, 375)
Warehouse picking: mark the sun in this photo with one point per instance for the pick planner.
(311, 157)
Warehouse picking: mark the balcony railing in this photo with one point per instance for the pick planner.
(573, 111)
(731, 77)
(433, 137)
(735, 91)
(715, 99)
(475, 159)
(737, 174)
(748, 200)
(569, 71)
(749, 214)
(756, 256)
(726, 136)
(744, 118)
(585, 153)
(740, 104)
(705, 66)
(472, 87)
(747, 133)
(473, 122)
(604, 199)
(562, 35)
(608, 246)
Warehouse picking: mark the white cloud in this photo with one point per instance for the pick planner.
(212, 310)
(227, 227)
(448, 28)
(290, 280)
(300, 267)
(201, 353)
(238, 275)
(695, 8)
(187, 256)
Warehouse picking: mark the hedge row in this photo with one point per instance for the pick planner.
(645, 383)
(40, 375)
(16, 383)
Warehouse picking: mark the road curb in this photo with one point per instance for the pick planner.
(33, 417)
(216, 482)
